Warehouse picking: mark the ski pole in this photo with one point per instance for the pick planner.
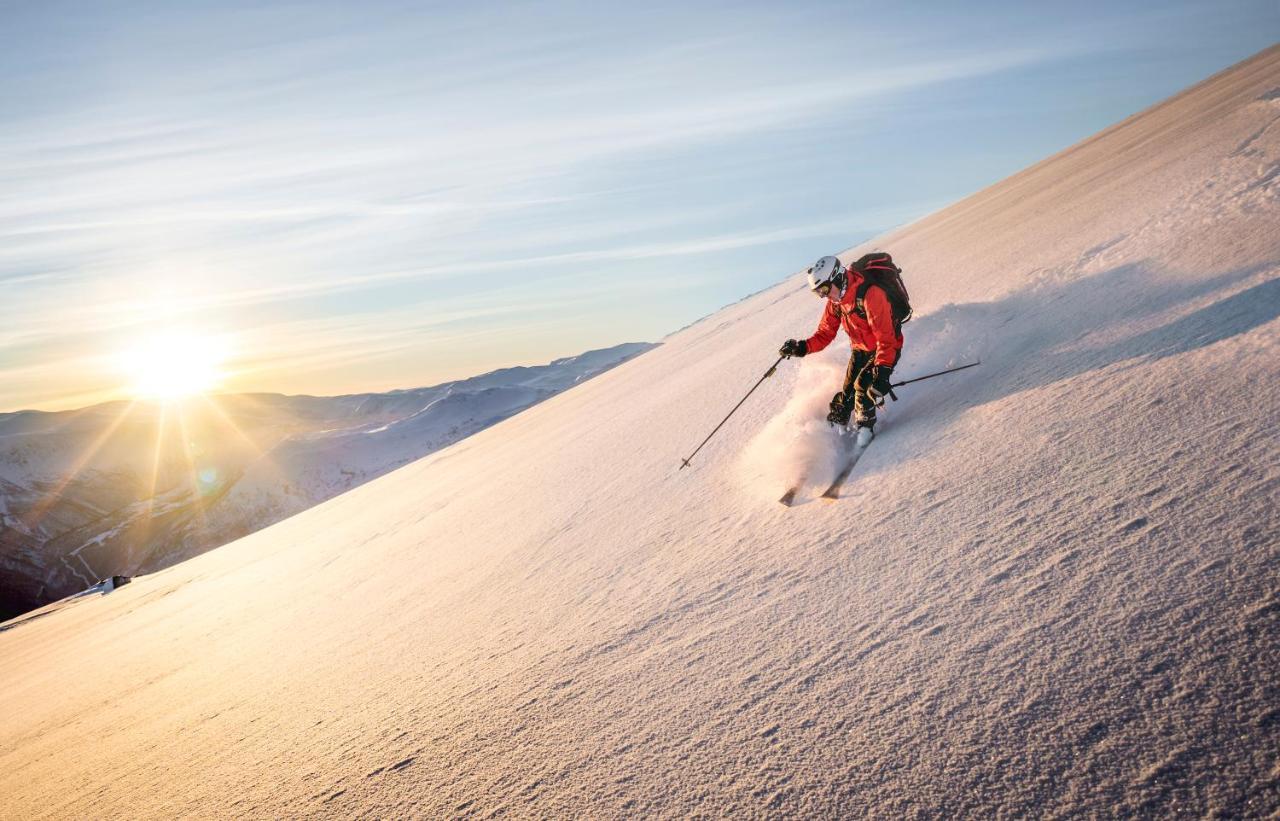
(685, 462)
(894, 396)
(932, 375)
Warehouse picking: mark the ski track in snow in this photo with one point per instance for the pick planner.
(1050, 588)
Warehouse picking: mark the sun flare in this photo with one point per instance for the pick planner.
(173, 364)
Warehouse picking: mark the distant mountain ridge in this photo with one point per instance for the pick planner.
(83, 494)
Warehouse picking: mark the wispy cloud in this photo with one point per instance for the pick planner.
(131, 309)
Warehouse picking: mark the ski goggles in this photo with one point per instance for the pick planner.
(823, 290)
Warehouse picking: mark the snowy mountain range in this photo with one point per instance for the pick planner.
(1050, 588)
(78, 501)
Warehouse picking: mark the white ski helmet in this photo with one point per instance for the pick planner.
(827, 270)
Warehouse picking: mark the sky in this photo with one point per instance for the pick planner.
(344, 197)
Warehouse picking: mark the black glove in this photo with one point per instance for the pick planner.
(877, 384)
(794, 347)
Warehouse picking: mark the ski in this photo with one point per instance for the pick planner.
(833, 491)
(790, 495)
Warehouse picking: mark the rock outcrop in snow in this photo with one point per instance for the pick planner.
(1050, 588)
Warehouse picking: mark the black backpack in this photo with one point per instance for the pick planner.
(878, 268)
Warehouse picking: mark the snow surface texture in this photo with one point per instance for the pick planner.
(1050, 588)
(78, 501)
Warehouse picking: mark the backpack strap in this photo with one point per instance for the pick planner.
(860, 294)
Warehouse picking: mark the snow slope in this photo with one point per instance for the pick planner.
(84, 494)
(302, 471)
(1050, 589)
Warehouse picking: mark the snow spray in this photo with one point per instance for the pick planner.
(798, 444)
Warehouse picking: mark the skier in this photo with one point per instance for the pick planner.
(864, 310)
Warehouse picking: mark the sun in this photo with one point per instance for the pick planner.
(173, 364)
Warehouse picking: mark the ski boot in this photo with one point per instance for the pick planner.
(866, 431)
(839, 412)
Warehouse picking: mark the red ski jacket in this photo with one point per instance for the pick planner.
(875, 333)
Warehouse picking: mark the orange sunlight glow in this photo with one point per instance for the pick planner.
(173, 364)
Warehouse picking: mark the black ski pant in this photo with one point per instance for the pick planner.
(861, 409)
